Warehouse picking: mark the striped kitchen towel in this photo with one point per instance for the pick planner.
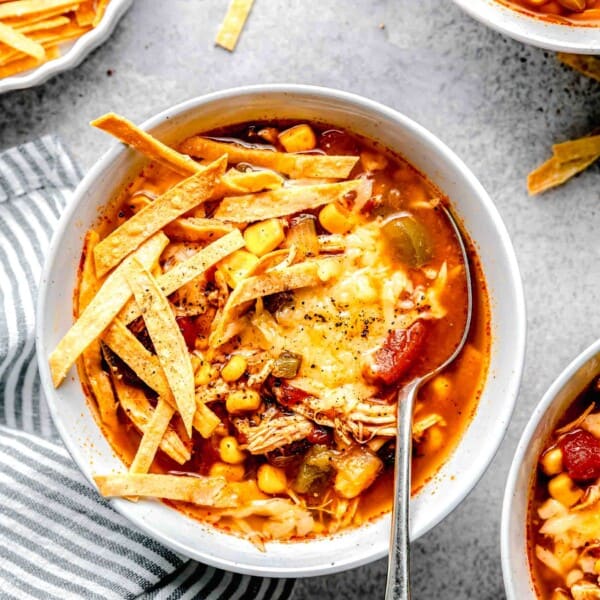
(58, 538)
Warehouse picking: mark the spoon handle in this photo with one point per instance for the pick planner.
(398, 577)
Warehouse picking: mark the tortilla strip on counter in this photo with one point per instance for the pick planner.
(167, 339)
(294, 165)
(189, 269)
(172, 204)
(553, 173)
(282, 202)
(104, 307)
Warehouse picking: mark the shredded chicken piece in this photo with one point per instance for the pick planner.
(273, 431)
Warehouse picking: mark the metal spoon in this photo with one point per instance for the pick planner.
(398, 574)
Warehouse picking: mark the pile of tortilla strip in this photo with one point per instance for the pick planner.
(121, 279)
(31, 31)
(571, 157)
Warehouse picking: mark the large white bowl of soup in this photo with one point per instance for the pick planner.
(560, 25)
(243, 311)
(551, 505)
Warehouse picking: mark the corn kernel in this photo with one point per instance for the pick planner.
(563, 489)
(271, 480)
(234, 369)
(240, 401)
(551, 461)
(573, 576)
(230, 472)
(205, 374)
(335, 219)
(597, 567)
(196, 362)
(441, 387)
(373, 161)
(236, 267)
(263, 237)
(560, 595)
(298, 138)
(229, 451)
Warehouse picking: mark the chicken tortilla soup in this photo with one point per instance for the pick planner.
(246, 313)
(564, 512)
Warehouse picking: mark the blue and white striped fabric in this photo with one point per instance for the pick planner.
(58, 538)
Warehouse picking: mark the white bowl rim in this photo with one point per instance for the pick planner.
(474, 475)
(75, 54)
(532, 30)
(540, 410)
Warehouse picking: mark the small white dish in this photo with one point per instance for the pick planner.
(533, 30)
(472, 205)
(570, 383)
(72, 52)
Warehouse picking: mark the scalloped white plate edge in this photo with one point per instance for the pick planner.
(75, 54)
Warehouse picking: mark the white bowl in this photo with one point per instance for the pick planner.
(444, 492)
(72, 52)
(569, 384)
(532, 30)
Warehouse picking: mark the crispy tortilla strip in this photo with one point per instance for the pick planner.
(294, 165)
(11, 37)
(22, 8)
(587, 65)
(554, 173)
(40, 25)
(28, 19)
(91, 358)
(168, 341)
(247, 182)
(584, 147)
(85, 13)
(189, 269)
(206, 491)
(305, 274)
(147, 367)
(18, 65)
(100, 10)
(195, 229)
(153, 435)
(148, 145)
(282, 202)
(232, 25)
(105, 306)
(139, 410)
(178, 200)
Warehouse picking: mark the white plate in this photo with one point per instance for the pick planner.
(72, 52)
(482, 437)
(532, 30)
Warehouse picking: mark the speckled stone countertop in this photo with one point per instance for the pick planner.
(500, 105)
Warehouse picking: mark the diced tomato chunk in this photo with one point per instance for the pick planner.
(338, 143)
(396, 356)
(288, 395)
(581, 455)
(188, 330)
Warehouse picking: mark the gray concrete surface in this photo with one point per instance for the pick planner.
(497, 103)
